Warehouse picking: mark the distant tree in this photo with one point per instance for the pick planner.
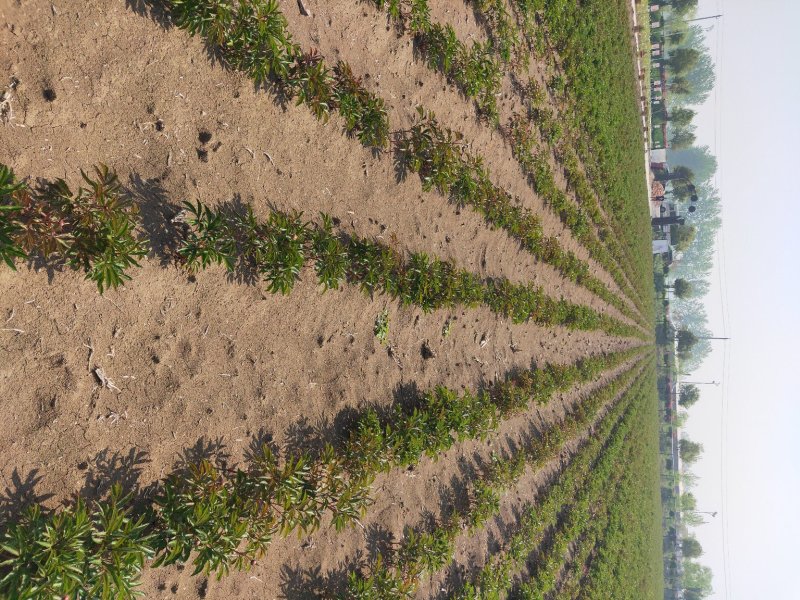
(682, 236)
(687, 502)
(684, 172)
(683, 60)
(690, 394)
(696, 580)
(700, 79)
(676, 38)
(686, 341)
(682, 288)
(681, 117)
(690, 451)
(683, 7)
(692, 519)
(683, 137)
(679, 85)
(691, 548)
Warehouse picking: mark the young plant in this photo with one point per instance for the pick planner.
(330, 255)
(77, 552)
(282, 252)
(102, 243)
(92, 229)
(381, 329)
(312, 82)
(208, 240)
(364, 113)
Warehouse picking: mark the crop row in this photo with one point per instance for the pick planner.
(574, 216)
(593, 43)
(627, 562)
(220, 518)
(422, 554)
(54, 221)
(500, 27)
(438, 156)
(252, 36)
(569, 579)
(575, 521)
(529, 35)
(587, 469)
(563, 138)
(471, 69)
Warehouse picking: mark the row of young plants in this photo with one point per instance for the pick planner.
(506, 36)
(442, 162)
(252, 36)
(279, 247)
(537, 168)
(560, 542)
(94, 229)
(529, 36)
(628, 560)
(496, 578)
(443, 51)
(220, 518)
(472, 69)
(510, 40)
(423, 553)
(554, 130)
(568, 581)
(593, 43)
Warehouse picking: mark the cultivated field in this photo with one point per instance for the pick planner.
(361, 306)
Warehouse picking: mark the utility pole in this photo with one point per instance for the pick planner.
(704, 18)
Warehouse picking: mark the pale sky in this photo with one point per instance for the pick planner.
(750, 426)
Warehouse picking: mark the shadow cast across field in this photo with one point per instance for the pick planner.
(21, 493)
(157, 12)
(303, 583)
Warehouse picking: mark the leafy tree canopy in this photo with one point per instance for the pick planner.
(684, 7)
(690, 394)
(683, 236)
(682, 288)
(683, 137)
(691, 547)
(690, 451)
(683, 60)
(681, 117)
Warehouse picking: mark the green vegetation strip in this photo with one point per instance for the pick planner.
(219, 519)
(472, 69)
(513, 43)
(252, 36)
(422, 554)
(54, 221)
(475, 72)
(565, 585)
(577, 517)
(628, 563)
(496, 577)
(537, 168)
(598, 87)
(442, 162)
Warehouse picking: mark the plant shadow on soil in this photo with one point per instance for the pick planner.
(155, 10)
